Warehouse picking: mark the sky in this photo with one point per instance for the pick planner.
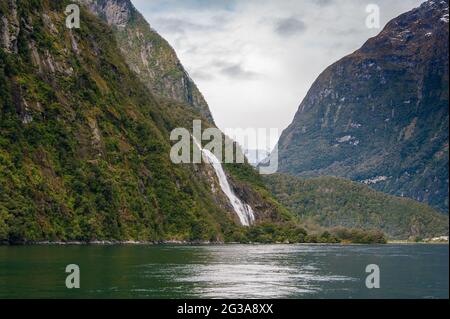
(255, 60)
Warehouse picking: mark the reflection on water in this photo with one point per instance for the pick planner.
(235, 271)
(249, 272)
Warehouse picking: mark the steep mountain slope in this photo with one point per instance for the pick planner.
(380, 115)
(84, 145)
(336, 202)
(148, 54)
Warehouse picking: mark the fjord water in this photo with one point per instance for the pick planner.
(230, 271)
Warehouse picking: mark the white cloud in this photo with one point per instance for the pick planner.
(255, 60)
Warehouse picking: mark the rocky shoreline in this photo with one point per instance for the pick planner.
(191, 243)
(107, 243)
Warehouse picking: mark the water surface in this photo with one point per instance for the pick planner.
(234, 271)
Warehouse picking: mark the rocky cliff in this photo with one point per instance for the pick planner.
(380, 115)
(148, 54)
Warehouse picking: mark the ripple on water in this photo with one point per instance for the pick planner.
(259, 273)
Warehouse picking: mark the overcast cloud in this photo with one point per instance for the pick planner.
(255, 60)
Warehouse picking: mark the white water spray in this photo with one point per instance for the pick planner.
(244, 211)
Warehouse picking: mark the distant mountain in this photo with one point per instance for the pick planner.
(148, 54)
(335, 202)
(380, 115)
(255, 157)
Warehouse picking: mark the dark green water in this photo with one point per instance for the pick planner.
(235, 271)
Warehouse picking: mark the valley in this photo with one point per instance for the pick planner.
(87, 116)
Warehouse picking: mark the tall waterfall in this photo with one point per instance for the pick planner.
(244, 211)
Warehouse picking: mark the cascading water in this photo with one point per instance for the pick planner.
(244, 211)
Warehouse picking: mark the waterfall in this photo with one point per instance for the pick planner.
(244, 211)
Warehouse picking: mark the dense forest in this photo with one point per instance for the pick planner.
(333, 202)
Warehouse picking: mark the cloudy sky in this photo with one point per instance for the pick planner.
(255, 60)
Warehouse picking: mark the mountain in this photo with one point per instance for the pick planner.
(148, 54)
(336, 202)
(85, 144)
(379, 116)
(255, 157)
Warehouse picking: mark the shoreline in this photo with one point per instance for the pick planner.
(405, 242)
(197, 243)
(107, 243)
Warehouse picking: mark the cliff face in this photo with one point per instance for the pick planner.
(10, 29)
(148, 54)
(380, 115)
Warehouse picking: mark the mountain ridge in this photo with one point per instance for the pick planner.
(148, 54)
(380, 114)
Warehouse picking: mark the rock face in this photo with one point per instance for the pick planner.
(380, 115)
(9, 28)
(148, 54)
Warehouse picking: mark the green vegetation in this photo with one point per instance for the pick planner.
(334, 202)
(84, 146)
(289, 233)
